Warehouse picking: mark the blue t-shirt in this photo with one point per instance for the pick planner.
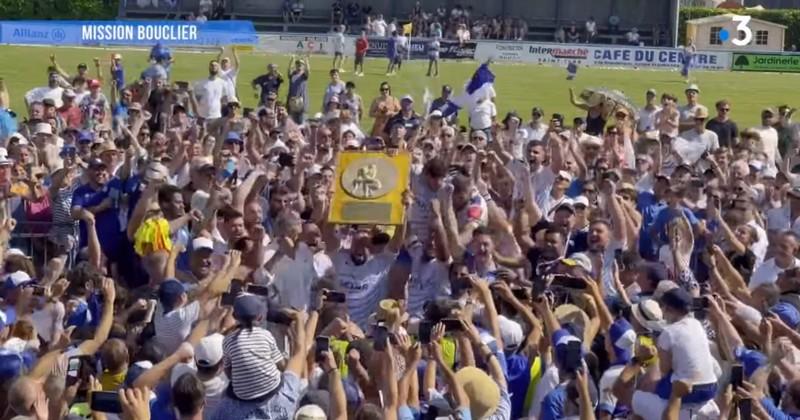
(8, 125)
(391, 47)
(119, 76)
(107, 221)
(649, 207)
(161, 405)
(776, 413)
(667, 215)
(553, 404)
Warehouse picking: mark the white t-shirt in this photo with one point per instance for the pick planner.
(768, 272)
(691, 355)
(419, 213)
(537, 133)
(647, 119)
(41, 93)
(338, 42)
(209, 94)
(481, 116)
(428, 280)
(379, 27)
(230, 76)
(608, 401)
(688, 112)
(366, 284)
(292, 278)
(768, 144)
(707, 139)
(759, 248)
(49, 320)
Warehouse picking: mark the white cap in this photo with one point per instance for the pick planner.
(352, 143)
(310, 412)
(202, 242)
(43, 128)
(435, 114)
(17, 278)
(277, 146)
(511, 332)
(179, 370)
(209, 351)
(565, 175)
(664, 286)
(233, 100)
(581, 199)
(20, 138)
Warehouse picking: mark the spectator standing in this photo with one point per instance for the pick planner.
(362, 46)
(647, 115)
(632, 37)
(212, 92)
(338, 48)
(267, 83)
(726, 129)
(297, 98)
(590, 30)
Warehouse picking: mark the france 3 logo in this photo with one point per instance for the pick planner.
(745, 35)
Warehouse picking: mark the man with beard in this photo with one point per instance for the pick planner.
(279, 199)
(211, 92)
(200, 263)
(51, 91)
(606, 236)
(565, 217)
(100, 197)
(170, 200)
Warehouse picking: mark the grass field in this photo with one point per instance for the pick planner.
(519, 87)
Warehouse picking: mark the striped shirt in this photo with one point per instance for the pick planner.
(173, 327)
(61, 206)
(251, 357)
(366, 284)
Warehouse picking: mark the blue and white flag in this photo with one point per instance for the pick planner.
(480, 87)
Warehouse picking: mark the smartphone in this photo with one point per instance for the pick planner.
(573, 357)
(105, 402)
(79, 370)
(568, 282)
(336, 297)
(381, 338)
(38, 290)
(228, 299)
(182, 85)
(700, 303)
(425, 328)
(286, 160)
(737, 376)
(277, 316)
(521, 294)
(452, 325)
(745, 409)
(123, 143)
(259, 290)
(322, 344)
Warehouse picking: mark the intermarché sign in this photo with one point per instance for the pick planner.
(766, 62)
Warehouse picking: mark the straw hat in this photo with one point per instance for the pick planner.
(482, 390)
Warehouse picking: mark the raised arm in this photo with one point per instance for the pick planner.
(106, 319)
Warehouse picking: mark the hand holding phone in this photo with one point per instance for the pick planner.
(322, 344)
(381, 338)
(335, 297)
(425, 328)
(105, 402)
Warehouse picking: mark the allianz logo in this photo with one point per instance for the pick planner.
(508, 47)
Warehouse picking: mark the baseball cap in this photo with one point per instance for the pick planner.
(578, 259)
(43, 128)
(435, 114)
(96, 163)
(693, 87)
(48, 102)
(202, 243)
(209, 352)
(85, 136)
(407, 98)
(652, 91)
(15, 280)
(233, 100)
(580, 200)
(233, 137)
(69, 93)
(94, 83)
(169, 292)
(447, 88)
(566, 204)
(787, 313)
(564, 175)
(247, 307)
(623, 339)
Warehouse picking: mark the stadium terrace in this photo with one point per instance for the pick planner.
(119, 32)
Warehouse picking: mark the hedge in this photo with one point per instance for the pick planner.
(59, 9)
(788, 17)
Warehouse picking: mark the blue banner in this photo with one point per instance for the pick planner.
(146, 33)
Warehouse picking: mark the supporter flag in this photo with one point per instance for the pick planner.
(407, 28)
(481, 86)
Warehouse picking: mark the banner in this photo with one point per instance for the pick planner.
(297, 44)
(766, 62)
(449, 50)
(146, 33)
(598, 55)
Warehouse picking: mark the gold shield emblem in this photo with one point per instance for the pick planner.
(369, 188)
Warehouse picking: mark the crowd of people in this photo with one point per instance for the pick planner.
(624, 263)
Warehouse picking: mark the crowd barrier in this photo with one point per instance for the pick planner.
(612, 56)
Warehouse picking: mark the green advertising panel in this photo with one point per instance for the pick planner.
(766, 62)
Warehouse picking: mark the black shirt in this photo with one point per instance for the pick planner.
(726, 131)
(268, 83)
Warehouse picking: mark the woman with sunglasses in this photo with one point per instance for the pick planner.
(382, 108)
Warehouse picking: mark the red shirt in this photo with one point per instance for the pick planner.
(72, 116)
(361, 46)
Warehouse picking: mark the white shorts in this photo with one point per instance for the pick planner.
(650, 406)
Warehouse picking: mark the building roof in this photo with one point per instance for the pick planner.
(725, 18)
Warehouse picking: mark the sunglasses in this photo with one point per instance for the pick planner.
(384, 89)
(589, 191)
(724, 109)
(699, 119)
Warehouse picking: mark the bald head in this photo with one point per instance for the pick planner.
(22, 395)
